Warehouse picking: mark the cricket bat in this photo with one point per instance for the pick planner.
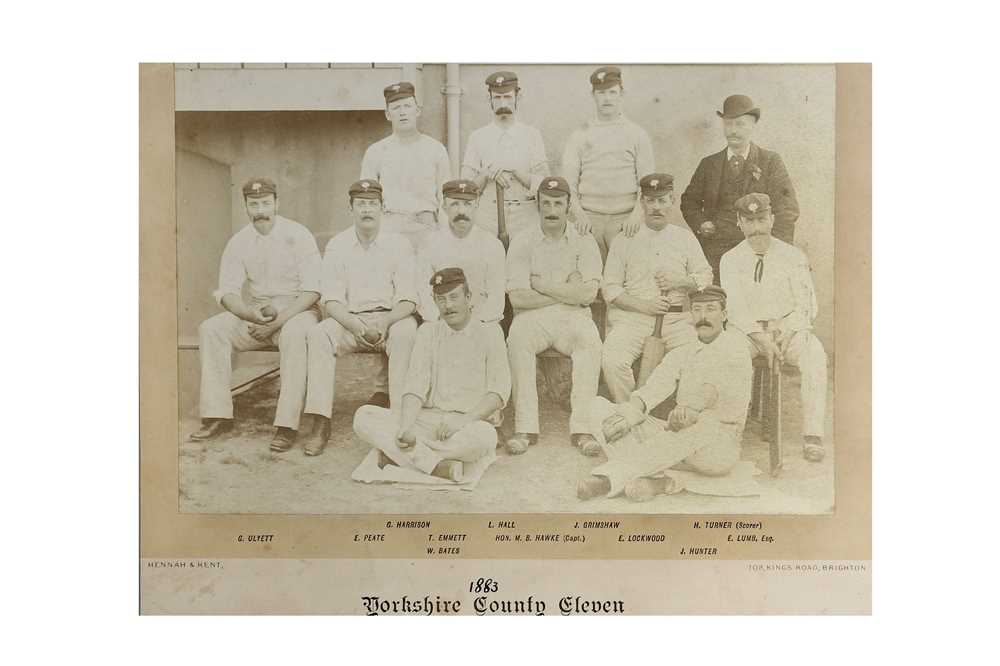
(653, 349)
(502, 218)
(776, 452)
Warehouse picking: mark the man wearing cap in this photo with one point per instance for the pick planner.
(603, 162)
(772, 300)
(457, 384)
(647, 276)
(370, 298)
(711, 382)
(279, 260)
(553, 274)
(720, 179)
(462, 244)
(507, 153)
(410, 166)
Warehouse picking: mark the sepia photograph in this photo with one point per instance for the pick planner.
(505, 288)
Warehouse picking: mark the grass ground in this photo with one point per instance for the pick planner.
(239, 474)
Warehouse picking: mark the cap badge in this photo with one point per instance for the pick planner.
(499, 80)
(395, 88)
(438, 279)
(753, 206)
(553, 184)
(461, 186)
(255, 187)
(600, 76)
(655, 182)
(365, 185)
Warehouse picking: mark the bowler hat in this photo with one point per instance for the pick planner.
(738, 105)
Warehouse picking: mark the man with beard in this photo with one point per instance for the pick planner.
(649, 275)
(507, 153)
(720, 179)
(772, 300)
(410, 166)
(711, 380)
(603, 162)
(455, 389)
(279, 260)
(552, 277)
(462, 244)
(370, 298)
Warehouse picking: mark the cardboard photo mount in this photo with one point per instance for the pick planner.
(371, 564)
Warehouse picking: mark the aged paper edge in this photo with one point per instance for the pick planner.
(166, 533)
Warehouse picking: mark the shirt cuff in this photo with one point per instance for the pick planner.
(219, 294)
(611, 292)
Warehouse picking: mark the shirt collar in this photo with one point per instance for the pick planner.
(745, 154)
(450, 332)
(597, 122)
(274, 229)
(564, 239)
(356, 242)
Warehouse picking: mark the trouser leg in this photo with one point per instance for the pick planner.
(294, 363)
(378, 427)
(806, 352)
(468, 445)
(622, 347)
(399, 343)
(678, 330)
(323, 342)
(648, 449)
(527, 338)
(218, 338)
(582, 344)
(382, 375)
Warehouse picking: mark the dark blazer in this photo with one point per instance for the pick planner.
(700, 200)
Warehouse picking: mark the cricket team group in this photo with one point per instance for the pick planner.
(459, 284)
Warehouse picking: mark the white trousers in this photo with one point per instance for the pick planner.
(649, 449)
(221, 335)
(518, 216)
(571, 333)
(604, 227)
(623, 345)
(415, 227)
(378, 427)
(329, 339)
(806, 353)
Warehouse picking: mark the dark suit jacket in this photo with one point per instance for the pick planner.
(700, 200)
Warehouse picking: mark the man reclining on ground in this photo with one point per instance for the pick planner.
(711, 379)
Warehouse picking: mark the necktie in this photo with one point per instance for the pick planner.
(736, 162)
(758, 270)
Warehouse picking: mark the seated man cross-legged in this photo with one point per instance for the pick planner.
(711, 379)
(455, 389)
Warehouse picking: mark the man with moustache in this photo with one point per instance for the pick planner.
(370, 298)
(463, 245)
(410, 166)
(772, 301)
(507, 153)
(553, 274)
(603, 162)
(711, 381)
(279, 260)
(649, 275)
(457, 384)
(720, 179)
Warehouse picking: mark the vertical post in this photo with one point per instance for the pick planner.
(453, 95)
